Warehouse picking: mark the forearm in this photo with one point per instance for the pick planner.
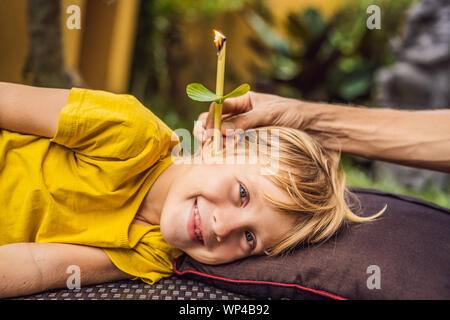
(413, 138)
(31, 110)
(19, 273)
(27, 268)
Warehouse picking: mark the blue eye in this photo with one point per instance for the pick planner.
(242, 192)
(249, 238)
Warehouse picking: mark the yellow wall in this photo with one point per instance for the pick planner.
(101, 51)
(72, 38)
(122, 45)
(13, 39)
(96, 42)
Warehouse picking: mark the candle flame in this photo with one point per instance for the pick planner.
(219, 40)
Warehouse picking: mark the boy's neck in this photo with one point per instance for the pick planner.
(151, 207)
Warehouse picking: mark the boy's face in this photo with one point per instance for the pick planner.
(216, 213)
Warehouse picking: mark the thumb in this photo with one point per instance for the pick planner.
(238, 105)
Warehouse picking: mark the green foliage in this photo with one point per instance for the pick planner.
(195, 8)
(358, 177)
(327, 59)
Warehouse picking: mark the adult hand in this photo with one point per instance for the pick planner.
(250, 111)
(412, 138)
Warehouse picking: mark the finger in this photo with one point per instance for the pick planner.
(230, 107)
(207, 118)
(238, 105)
(202, 118)
(199, 129)
(210, 119)
(251, 119)
(199, 126)
(233, 124)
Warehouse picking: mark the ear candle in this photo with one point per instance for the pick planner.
(220, 42)
(198, 92)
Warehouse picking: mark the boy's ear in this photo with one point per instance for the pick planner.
(207, 146)
(205, 151)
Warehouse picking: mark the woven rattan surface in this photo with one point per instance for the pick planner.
(172, 288)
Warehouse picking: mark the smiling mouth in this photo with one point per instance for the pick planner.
(197, 229)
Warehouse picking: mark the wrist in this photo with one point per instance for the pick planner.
(312, 116)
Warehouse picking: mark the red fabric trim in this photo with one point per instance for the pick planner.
(319, 292)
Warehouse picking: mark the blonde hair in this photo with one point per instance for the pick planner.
(314, 180)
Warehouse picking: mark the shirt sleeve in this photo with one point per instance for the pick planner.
(150, 259)
(97, 123)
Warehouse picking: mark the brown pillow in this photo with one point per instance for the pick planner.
(405, 254)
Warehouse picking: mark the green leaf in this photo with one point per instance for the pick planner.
(199, 92)
(239, 91)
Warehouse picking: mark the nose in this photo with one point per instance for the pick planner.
(226, 221)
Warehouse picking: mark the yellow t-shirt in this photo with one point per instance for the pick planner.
(85, 185)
